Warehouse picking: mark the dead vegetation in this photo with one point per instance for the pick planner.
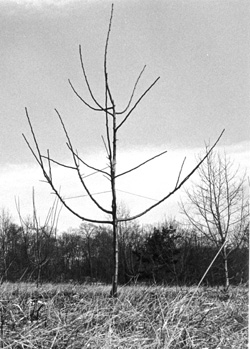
(84, 316)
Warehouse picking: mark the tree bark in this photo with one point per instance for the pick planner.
(225, 258)
(114, 210)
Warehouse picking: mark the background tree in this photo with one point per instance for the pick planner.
(88, 230)
(159, 254)
(9, 237)
(40, 236)
(114, 120)
(217, 206)
(131, 236)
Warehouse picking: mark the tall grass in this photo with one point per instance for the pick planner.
(84, 316)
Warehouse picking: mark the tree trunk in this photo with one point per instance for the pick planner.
(38, 276)
(226, 267)
(116, 261)
(113, 292)
(90, 258)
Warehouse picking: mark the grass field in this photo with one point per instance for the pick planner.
(83, 316)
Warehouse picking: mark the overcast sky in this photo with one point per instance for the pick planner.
(200, 50)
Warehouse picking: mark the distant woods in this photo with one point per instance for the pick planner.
(169, 253)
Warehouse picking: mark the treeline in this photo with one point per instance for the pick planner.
(166, 254)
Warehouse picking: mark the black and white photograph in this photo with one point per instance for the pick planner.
(125, 157)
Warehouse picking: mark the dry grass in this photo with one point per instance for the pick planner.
(68, 316)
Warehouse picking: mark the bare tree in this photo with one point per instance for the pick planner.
(5, 243)
(88, 231)
(42, 233)
(217, 206)
(114, 120)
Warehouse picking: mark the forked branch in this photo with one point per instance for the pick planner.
(177, 187)
(133, 92)
(48, 175)
(83, 100)
(86, 164)
(75, 158)
(137, 102)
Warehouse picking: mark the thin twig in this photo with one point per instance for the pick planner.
(86, 79)
(133, 92)
(86, 164)
(86, 103)
(58, 163)
(107, 90)
(93, 173)
(31, 149)
(143, 163)
(49, 164)
(179, 175)
(138, 101)
(105, 145)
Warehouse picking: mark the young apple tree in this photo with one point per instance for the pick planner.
(114, 120)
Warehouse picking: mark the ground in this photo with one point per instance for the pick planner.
(84, 316)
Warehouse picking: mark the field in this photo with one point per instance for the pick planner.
(84, 316)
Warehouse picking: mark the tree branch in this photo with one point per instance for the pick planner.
(179, 175)
(86, 103)
(133, 92)
(86, 79)
(143, 163)
(58, 163)
(50, 182)
(135, 105)
(107, 90)
(176, 188)
(77, 167)
(86, 164)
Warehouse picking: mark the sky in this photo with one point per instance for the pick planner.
(200, 50)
